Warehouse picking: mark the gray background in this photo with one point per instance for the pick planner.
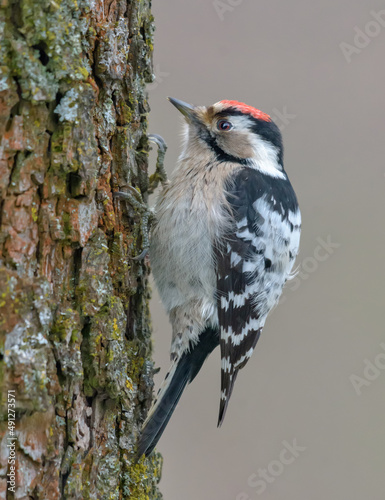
(298, 385)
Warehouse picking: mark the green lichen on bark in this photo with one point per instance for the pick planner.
(74, 317)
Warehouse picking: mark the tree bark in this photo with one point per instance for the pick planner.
(74, 318)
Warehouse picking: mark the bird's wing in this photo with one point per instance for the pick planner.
(237, 316)
(248, 284)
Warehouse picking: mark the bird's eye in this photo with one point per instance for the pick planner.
(224, 125)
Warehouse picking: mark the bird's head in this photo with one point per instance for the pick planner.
(233, 131)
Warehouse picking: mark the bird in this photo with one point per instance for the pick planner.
(224, 238)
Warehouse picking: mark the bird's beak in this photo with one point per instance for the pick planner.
(187, 110)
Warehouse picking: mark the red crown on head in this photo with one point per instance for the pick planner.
(244, 108)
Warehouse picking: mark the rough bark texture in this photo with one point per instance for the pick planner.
(74, 320)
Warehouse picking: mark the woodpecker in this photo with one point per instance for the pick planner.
(223, 242)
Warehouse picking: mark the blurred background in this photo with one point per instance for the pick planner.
(315, 384)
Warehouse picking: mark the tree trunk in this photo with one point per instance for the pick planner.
(74, 318)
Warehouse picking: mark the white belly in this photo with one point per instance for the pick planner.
(181, 252)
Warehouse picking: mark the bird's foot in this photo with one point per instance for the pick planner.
(134, 198)
(160, 174)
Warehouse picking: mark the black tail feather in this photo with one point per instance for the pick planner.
(159, 419)
(227, 386)
(186, 370)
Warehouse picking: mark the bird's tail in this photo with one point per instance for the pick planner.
(182, 371)
(227, 386)
(232, 362)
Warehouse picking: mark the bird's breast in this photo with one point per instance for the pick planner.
(189, 216)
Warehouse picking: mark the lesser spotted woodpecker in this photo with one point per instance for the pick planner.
(224, 239)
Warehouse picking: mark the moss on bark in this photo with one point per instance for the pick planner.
(74, 317)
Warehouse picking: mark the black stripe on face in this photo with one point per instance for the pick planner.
(270, 133)
(221, 156)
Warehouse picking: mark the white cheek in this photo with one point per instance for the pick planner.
(266, 157)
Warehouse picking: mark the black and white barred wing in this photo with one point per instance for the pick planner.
(238, 318)
(253, 263)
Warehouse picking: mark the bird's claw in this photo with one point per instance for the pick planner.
(160, 174)
(142, 255)
(134, 198)
(159, 141)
